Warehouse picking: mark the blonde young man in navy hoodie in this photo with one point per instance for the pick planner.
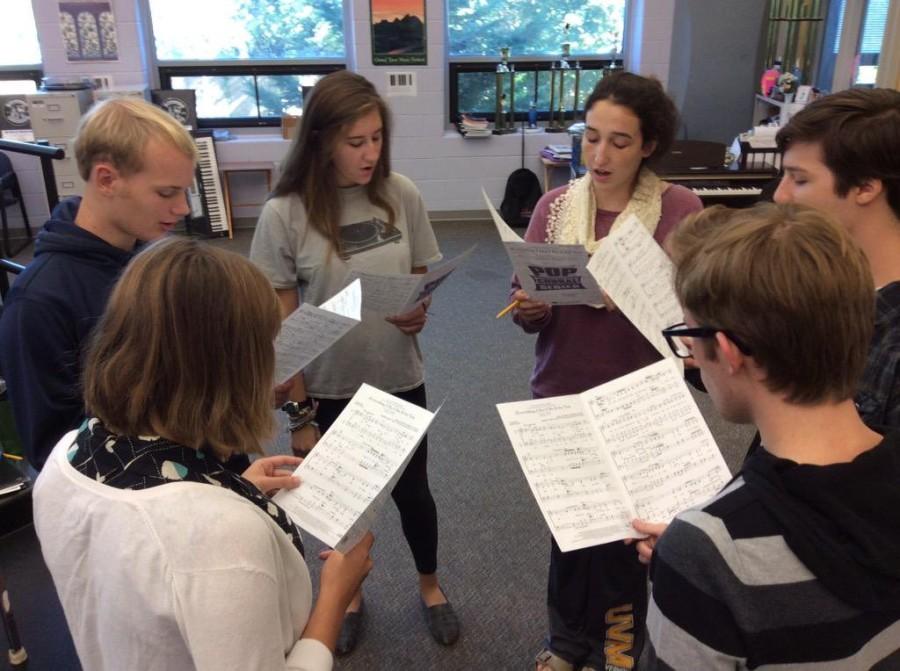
(137, 162)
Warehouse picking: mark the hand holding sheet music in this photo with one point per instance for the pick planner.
(634, 447)
(348, 476)
(554, 274)
(308, 331)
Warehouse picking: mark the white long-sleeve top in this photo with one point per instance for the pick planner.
(182, 576)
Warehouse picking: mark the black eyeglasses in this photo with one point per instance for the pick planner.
(676, 337)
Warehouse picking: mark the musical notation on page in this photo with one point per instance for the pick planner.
(346, 479)
(309, 330)
(637, 274)
(396, 294)
(634, 447)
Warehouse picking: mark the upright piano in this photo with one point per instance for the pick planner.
(734, 188)
(699, 166)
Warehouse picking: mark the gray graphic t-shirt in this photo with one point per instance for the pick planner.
(293, 254)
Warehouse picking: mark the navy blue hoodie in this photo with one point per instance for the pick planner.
(48, 314)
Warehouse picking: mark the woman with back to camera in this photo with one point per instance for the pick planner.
(597, 597)
(338, 208)
(163, 558)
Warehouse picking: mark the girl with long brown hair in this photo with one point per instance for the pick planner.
(338, 208)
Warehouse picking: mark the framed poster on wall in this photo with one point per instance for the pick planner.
(398, 32)
(88, 31)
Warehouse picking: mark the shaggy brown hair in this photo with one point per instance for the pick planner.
(185, 350)
(792, 285)
(859, 131)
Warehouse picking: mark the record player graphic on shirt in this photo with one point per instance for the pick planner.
(363, 235)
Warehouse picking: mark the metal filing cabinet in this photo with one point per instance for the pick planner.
(54, 118)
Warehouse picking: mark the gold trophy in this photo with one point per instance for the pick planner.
(503, 119)
(558, 90)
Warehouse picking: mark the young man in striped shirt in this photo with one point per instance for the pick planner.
(797, 562)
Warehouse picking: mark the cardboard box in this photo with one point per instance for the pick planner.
(289, 123)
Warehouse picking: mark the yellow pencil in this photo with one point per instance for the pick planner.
(14, 457)
(509, 308)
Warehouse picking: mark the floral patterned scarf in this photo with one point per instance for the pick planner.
(148, 461)
(572, 215)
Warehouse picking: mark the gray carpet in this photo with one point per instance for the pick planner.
(494, 544)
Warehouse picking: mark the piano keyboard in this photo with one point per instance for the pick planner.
(724, 191)
(213, 199)
(734, 188)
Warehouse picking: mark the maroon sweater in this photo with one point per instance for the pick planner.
(580, 347)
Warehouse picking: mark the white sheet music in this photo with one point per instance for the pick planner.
(347, 302)
(386, 294)
(583, 501)
(308, 331)
(657, 438)
(396, 294)
(352, 470)
(634, 447)
(431, 280)
(637, 274)
(555, 274)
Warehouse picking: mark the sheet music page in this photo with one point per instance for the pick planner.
(658, 441)
(431, 280)
(346, 302)
(386, 294)
(637, 274)
(352, 469)
(305, 334)
(395, 294)
(555, 274)
(570, 475)
(507, 234)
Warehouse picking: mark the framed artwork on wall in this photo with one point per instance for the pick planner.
(88, 31)
(398, 32)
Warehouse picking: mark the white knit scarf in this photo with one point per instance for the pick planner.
(572, 216)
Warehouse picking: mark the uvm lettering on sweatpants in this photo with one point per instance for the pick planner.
(555, 278)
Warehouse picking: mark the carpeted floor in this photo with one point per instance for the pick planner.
(494, 544)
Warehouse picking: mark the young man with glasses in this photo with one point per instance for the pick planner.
(797, 561)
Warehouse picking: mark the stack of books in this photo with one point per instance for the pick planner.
(470, 126)
(557, 152)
